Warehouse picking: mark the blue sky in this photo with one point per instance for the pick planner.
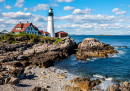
(88, 17)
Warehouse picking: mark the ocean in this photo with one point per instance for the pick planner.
(116, 67)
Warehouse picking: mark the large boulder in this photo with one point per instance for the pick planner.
(116, 87)
(91, 47)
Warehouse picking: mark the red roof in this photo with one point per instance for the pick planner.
(41, 31)
(62, 32)
(46, 32)
(23, 27)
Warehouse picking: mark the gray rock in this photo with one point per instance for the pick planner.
(7, 80)
(28, 52)
(14, 80)
(22, 57)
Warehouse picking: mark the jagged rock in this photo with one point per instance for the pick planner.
(116, 87)
(22, 57)
(69, 88)
(91, 47)
(84, 83)
(113, 87)
(14, 80)
(7, 80)
(38, 89)
(29, 52)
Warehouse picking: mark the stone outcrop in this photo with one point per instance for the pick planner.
(116, 87)
(37, 54)
(91, 47)
(10, 75)
(84, 84)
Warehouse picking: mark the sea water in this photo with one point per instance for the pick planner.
(116, 67)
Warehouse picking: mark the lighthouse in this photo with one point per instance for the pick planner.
(50, 27)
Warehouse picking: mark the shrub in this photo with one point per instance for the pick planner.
(57, 40)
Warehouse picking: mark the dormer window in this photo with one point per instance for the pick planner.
(18, 28)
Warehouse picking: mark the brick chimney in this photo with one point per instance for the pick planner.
(27, 21)
(20, 22)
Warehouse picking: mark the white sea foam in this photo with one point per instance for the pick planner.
(121, 52)
(108, 79)
(105, 83)
(98, 76)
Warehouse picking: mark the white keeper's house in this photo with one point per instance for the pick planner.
(28, 28)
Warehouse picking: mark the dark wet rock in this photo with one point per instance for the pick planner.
(16, 72)
(14, 64)
(38, 89)
(7, 80)
(123, 47)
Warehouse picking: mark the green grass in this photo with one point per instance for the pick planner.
(57, 40)
(31, 37)
(13, 42)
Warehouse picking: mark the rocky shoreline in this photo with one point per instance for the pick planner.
(25, 63)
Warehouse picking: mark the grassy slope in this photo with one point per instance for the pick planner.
(29, 37)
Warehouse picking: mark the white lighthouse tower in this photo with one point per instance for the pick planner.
(50, 27)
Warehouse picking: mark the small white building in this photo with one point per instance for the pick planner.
(4, 32)
(25, 27)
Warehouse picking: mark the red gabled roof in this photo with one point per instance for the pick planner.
(23, 27)
(46, 32)
(62, 32)
(41, 31)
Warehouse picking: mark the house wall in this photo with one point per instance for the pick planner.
(63, 35)
(31, 30)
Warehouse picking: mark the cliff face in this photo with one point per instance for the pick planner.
(91, 47)
(26, 52)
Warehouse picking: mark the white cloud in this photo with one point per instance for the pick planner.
(79, 11)
(68, 8)
(19, 3)
(87, 18)
(2, 0)
(25, 9)
(38, 18)
(41, 7)
(68, 1)
(17, 15)
(118, 11)
(7, 7)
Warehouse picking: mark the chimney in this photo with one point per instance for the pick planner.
(20, 22)
(27, 21)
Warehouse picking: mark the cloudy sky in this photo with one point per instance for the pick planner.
(89, 17)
